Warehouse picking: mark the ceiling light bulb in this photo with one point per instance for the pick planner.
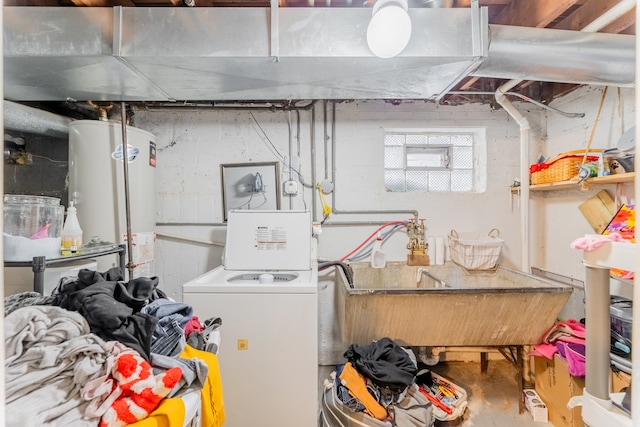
(389, 30)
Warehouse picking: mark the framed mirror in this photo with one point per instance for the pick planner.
(251, 186)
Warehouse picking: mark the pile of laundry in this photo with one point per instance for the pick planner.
(380, 385)
(101, 351)
(566, 337)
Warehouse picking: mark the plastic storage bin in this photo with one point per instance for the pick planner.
(32, 227)
(621, 317)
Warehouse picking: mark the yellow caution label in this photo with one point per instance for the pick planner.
(243, 344)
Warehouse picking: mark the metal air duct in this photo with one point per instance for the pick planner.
(549, 55)
(241, 54)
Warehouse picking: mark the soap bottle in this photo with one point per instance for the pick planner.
(378, 257)
(71, 232)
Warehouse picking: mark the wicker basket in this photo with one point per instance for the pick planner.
(474, 251)
(563, 167)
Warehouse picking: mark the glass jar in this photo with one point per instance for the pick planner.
(32, 227)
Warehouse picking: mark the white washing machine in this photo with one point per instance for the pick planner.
(267, 296)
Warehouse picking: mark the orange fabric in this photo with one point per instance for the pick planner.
(357, 385)
(170, 413)
(212, 398)
(140, 391)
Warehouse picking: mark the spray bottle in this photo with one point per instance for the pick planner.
(71, 232)
(378, 257)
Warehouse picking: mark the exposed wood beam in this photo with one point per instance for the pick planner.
(469, 83)
(585, 14)
(619, 25)
(529, 13)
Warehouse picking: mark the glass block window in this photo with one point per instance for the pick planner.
(434, 160)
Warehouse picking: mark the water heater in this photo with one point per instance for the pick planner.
(96, 185)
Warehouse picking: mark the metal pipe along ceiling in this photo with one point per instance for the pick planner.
(22, 118)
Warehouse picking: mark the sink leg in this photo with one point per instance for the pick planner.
(484, 362)
(520, 370)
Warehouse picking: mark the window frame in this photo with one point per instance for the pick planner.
(421, 137)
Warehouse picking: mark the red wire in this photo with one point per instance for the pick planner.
(369, 238)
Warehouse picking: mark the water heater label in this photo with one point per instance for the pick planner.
(271, 238)
(152, 154)
(132, 153)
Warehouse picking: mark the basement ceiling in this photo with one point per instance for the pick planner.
(331, 61)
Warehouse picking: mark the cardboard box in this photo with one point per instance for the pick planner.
(619, 380)
(555, 387)
(535, 406)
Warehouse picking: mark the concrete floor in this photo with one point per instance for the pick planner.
(492, 397)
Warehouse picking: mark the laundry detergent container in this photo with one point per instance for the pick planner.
(32, 227)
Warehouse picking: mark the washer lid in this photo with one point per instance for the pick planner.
(268, 240)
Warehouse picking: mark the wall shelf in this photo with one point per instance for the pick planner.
(599, 180)
(40, 263)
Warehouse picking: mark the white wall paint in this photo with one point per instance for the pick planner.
(193, 144)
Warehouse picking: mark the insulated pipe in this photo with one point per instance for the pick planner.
(33, 120)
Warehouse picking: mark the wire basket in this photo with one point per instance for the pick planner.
(475, 252)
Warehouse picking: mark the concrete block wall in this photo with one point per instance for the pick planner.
(193, 144)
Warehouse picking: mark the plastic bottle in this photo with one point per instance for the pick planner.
(378, 257)
(440, 255)
(71, 232)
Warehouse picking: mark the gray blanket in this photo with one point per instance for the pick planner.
(50, 355)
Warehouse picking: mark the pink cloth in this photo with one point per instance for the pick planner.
(594, 241)
(569, 330)
(193, 325)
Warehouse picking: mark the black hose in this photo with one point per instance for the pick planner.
(345, 268)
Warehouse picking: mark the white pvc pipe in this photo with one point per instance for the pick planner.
(523, 123)
(609, 16)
